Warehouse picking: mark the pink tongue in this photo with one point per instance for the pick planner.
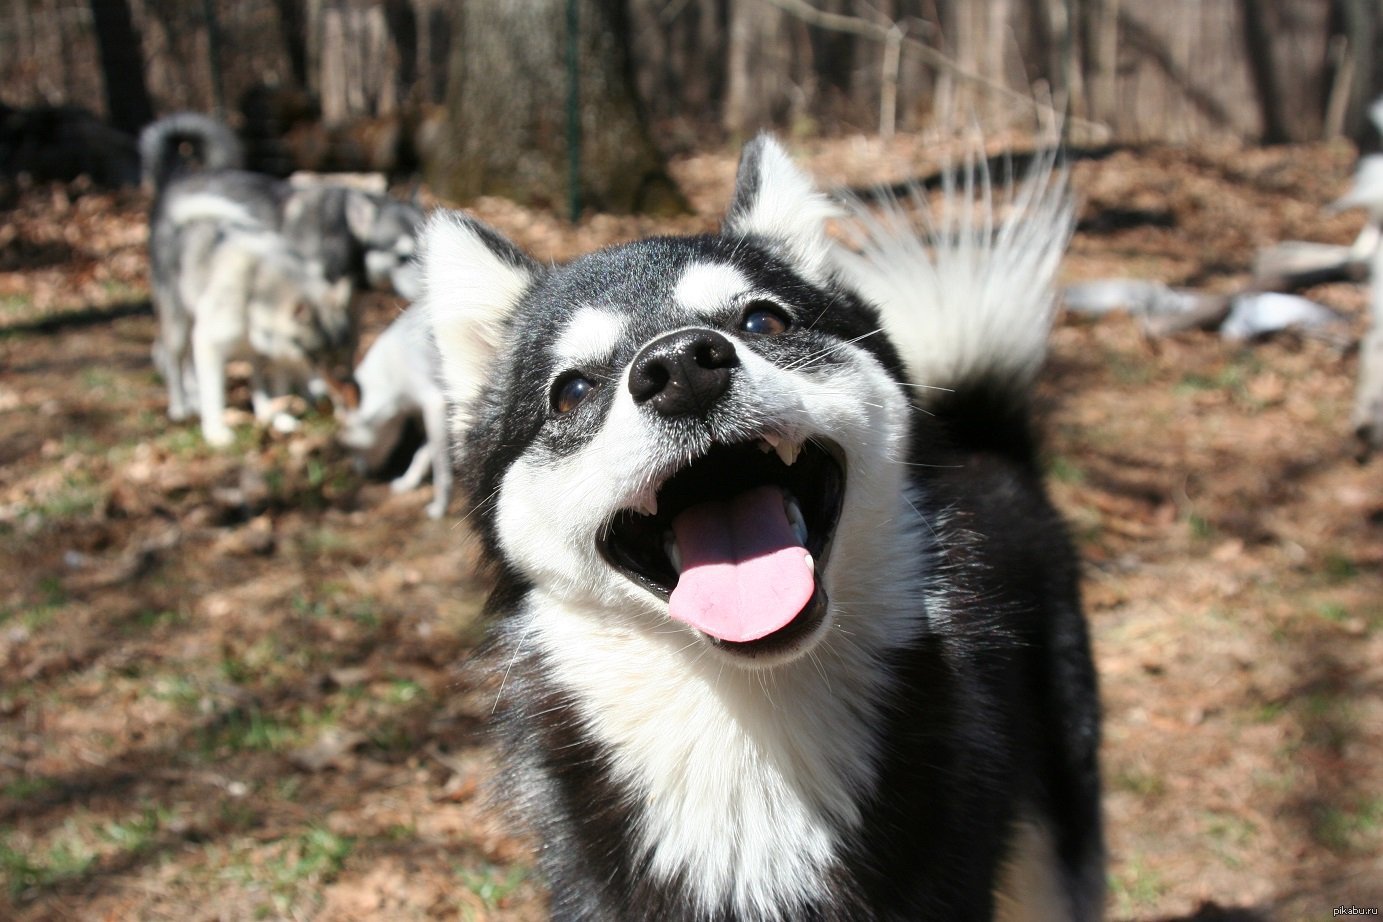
(744, 573)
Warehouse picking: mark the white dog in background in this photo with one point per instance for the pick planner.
(398, 379)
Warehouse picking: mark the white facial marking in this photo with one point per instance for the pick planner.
(708, 288)
(590, 337)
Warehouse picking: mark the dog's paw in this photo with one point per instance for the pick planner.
(218, 437)
(284, 422)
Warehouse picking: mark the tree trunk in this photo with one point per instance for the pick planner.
(122, 66)
(507, 111)
(1258, 43)
(293, 29)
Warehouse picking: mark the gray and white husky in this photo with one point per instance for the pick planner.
(351, 232)
(324, 239)
(244, 293)
(788, 628)
(400, 379)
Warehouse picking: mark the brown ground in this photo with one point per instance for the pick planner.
(232, 684)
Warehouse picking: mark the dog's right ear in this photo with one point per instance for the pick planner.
(473, 279)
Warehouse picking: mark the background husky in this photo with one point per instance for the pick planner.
(249, 295)
(192, 161)
(399, 379)
(337, 235)
(790, 629)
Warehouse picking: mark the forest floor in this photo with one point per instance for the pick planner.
(233, 684)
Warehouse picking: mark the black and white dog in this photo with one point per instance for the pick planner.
(789, 628)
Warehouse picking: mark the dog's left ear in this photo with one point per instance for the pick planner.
(361, 211)
(473, 279)
(778, 202)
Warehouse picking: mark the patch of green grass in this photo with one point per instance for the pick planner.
(1357, 828)
(1139, 782)
(183, 440)
(1338, 568)
(394, 739)
(1127, 369)
(294, 872)
(1135, 887)
(42, 868)
(1333, 612)
(117, 290)
(98, 378)
(321, 541)
(136, 834)
(1229, 834)
(78, 497)
(149, 619)
(1269, 711)
(178, 689)
(52, 598)
(13, 306)
(1201, 528)
(22, 788)
(1064, 470)
(310, 608)
(1232, 378)
(404, 691)
(246, 729)
(492, 883)
(365, 615)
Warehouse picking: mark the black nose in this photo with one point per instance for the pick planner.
(683, 373)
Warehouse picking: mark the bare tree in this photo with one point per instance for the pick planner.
(122, 65)
(508, 110)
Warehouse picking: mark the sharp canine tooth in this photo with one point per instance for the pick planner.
(788, 451)
(771, 439)
(670, 548)
(810, 562)
(795, 519)
(648, 505)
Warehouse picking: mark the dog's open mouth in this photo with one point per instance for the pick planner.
(736, 541)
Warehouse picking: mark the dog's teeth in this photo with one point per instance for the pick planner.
(810, 562)
(648, 505)
(764, 445)
(795, 519)
(674, 555)
(788, 451)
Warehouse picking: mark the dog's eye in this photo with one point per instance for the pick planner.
(569, 391)
(764, 319)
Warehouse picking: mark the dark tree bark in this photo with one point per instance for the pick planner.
(293, 30)
(1258, 44)
(128, 106)
(507, 110)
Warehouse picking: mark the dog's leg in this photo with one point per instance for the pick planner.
(209, 358)
(172, 359)
(435, 425)
(270, 381)
(261, 399)
(417, 469)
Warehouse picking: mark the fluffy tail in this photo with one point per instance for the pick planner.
(187, 140)
(966, 289)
